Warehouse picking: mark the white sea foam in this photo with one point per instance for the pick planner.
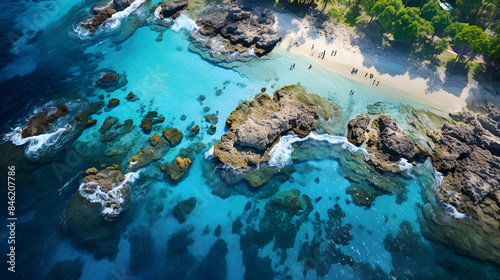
(438, 176)
(281, 153)
(404, 165)
(92, 192)
(69, 182)
(41, 145)
(111, 23)
(453, 212)
(184, 22)
(209, 153)
(157, 12)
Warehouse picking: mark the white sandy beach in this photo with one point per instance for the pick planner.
(391, 68)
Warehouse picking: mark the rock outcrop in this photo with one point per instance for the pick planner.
(173, 135)
(177, 169)
(105, 187)
(356, 129)
(102, 12)
(468, 155)
(389, 144)
(42, 121)
(111, 81)
(170, 9)
(256, 126)
(240, 29)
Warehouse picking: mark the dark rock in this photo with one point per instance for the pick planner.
(242, 29)
(113, 102)
(218, 231)
(257, 125)
(107, 79)
(121, 5)
(128, 125)
(177, 169)
(212, 129)
(194, 131)
(172, 9)
(146, 124)
(131, 96)
(42, 121)
(183, 117)
(201, 98)
(173, 135)
(108, 123)
(212, 118)
(356, 129)
(183, 209)
(100, 15)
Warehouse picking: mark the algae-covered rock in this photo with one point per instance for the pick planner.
(173, 135)
(176, 169)
(256, 126)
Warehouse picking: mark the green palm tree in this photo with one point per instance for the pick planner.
(325, 3)
(441, 46)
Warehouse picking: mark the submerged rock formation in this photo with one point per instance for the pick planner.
(240, 29)
(42, 121)
(182, 210)
(256, 126)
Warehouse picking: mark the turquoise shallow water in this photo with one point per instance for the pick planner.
(147, 241)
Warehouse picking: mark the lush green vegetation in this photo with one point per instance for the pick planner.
(415, 23)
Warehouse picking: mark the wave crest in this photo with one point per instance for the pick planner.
(281, 153)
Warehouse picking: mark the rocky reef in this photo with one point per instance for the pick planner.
(105, 187)
(110, 80)
(356, 130)
(238, 29)
(171, 9)
(467, 153)
(102, 12)
(42, 121)
(256, 126)
(388, 144)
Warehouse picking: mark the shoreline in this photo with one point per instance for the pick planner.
(299, 37)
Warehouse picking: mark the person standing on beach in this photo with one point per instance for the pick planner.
(366, 74)
(373, 82)
(377, 83)
(312, 47)
(310, 66)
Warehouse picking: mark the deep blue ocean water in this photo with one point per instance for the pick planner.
(46, 60)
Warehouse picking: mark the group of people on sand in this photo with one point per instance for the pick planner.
(371, 77)
(323, 53)
(354, 71)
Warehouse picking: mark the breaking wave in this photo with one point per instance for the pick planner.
(281, 153)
